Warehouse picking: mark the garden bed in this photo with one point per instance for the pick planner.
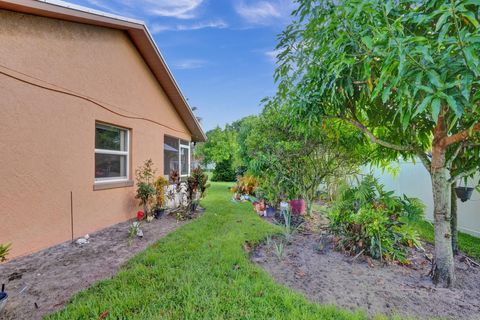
(311, 265)
(44, 282)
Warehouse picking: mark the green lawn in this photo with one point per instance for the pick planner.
(200, 272)
(468, 244)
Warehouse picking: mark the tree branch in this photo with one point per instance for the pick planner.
(455, 155)
(463, 175)
(374, 139)
(425, 160)
(461, 136)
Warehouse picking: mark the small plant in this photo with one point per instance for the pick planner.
(201, 179)
(279, 249)
(134, 231)
(145, 193)
(4, 251)
(190, 193)
(160, 184)
(145, 185)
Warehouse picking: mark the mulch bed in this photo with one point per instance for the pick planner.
(44, 282)
(311, 265)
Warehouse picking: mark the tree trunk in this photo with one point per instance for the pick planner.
(453, 221)
(444, 269)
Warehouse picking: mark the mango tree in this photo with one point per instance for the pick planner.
(404, 72)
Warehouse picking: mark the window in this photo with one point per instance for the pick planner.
(176, 156)
(111, 153)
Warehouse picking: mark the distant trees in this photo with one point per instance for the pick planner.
(295, 162)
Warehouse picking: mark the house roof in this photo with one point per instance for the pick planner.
(137, 31)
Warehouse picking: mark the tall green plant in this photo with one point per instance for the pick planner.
(146, 191)
(403, 72)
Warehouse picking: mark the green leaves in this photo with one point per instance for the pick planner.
(435, 79)
(393, 67)
(436, 107)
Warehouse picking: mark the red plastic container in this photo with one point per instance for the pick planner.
(298, 206)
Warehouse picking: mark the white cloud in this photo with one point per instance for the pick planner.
(214, 24)
(180, 9)
(272, 55)
(189, 64)
(264, 12)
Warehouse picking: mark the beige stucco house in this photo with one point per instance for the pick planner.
(85, 98)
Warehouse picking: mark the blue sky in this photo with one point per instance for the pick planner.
(220, 51)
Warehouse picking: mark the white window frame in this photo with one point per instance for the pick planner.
(184, 146)
(114, 152)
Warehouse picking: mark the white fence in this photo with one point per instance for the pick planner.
(414, 181)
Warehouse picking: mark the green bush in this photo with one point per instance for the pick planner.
(224, 171)
(4, 250)
(370, 220)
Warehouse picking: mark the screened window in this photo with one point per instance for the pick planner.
(111, 153)
(176, 156)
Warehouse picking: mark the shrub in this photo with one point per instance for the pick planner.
(160, 185)
(224, 171)
(246, 185)
(373, 221)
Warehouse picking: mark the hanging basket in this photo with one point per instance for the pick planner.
(464, 193)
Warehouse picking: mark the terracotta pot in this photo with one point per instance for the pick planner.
(298, 206)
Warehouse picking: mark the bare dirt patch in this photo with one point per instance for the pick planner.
(44, 282)
(311, 265)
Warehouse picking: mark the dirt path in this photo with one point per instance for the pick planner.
(311, 266)
(51, 277)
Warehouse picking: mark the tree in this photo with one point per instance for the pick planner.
(296, 161)
(221, 145)
(404, 72)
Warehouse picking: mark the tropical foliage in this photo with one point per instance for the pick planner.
(404, 73)
(370, 220)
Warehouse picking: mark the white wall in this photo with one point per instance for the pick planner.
(414, 181)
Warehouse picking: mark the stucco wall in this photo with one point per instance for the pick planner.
(414, 181)
(47, 139)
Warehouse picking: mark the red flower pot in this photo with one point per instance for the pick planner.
(298, 206)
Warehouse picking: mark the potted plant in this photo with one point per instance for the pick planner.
(160, 184)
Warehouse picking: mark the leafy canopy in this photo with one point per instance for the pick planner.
(390, 68)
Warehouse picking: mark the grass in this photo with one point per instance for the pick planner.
(200, 271)
(468, 244)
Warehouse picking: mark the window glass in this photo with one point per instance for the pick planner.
(111, 153)
(110, 166)
(171, 155)
(185, 161)
(176, 156)
(110, 138)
